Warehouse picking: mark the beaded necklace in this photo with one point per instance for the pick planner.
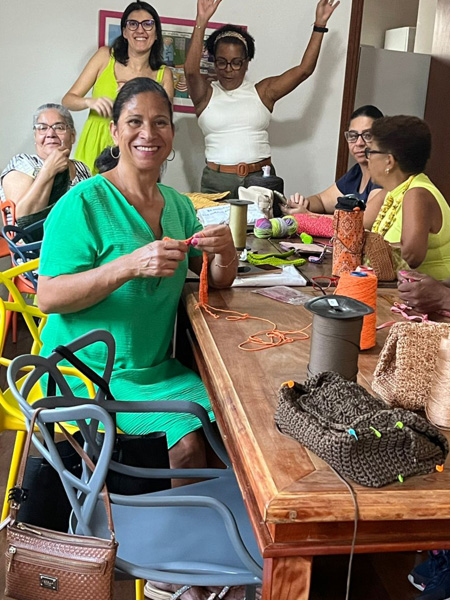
(391, 205)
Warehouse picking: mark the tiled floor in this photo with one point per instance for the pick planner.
(374, 577)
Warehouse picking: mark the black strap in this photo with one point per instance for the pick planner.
(99, 381)
(83, 368)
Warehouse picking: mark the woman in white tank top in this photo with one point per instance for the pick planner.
(233, 113)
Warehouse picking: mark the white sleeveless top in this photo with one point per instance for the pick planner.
(235, 124)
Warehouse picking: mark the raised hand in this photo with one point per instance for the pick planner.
(205, 10)
(158, 259)
(102, 106)
(324, 10)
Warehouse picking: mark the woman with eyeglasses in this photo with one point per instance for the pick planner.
(356, 181)
(35, 182)
(137, 52)
(413, 215)
(233, 113)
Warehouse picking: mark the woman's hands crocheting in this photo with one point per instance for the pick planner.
(215, 239)
(158, 259)
(423, 293)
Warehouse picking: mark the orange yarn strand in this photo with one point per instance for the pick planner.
(273, 337)
(363, 289)
(203, 289)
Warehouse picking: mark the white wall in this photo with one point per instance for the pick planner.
(426, 17)
(46, 43)
(380, 15)
(395, 82)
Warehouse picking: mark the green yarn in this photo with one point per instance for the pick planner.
(306, 239)
(275, 259)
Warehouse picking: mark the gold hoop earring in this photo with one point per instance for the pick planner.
(173, 156)
(111, 148)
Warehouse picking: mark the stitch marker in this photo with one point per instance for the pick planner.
(353, 433)
(439, 468)
(376, 432)
(400, 478)
(399, 425)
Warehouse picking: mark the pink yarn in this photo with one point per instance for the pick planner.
(317, 226)
(263, 224)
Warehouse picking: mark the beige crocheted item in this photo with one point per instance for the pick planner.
(377, 254)
(200, 200)
(404, 373)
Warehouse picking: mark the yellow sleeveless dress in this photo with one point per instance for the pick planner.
(390, 220)
(95, 136)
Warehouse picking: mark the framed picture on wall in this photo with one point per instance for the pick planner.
(176, 39)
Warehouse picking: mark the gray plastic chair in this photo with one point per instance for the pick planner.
(197, 534)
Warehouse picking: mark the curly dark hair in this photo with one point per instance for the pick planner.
(120, 45)
(249, 49)
(407, 138)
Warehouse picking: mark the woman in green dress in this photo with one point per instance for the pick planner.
(106, 263)
(137, 52)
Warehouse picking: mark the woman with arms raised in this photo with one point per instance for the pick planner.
(35, 182)
(233, 113)
(137, 52)
(357, 179)
(413, 215)
(116, 271)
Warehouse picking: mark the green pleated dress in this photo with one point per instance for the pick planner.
(91, 225)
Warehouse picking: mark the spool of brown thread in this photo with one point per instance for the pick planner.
(335, 336)
(438, 406)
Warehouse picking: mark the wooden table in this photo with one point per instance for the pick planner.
(308, 270)
(298, 507)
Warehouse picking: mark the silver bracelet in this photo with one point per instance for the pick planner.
(228, 265)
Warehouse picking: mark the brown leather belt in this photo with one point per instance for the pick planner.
(242, 169)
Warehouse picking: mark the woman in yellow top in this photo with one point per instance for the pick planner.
(413, 215)
(137, 52)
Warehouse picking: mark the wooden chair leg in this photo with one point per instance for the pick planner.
(13, 469)
(140, 583)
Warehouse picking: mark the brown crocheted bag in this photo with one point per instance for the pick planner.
(356, 434)
(377, 254)
(406, 365)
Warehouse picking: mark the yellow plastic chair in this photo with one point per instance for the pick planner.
(11, 417)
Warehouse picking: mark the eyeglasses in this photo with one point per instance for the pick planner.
(323, 283)
(147, 25)
(352, 136)
(368, 152)
(57, 127)
(235, 63)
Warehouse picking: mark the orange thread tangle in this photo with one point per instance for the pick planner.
(275, 337)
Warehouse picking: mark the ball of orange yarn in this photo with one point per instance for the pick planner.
(363, 289)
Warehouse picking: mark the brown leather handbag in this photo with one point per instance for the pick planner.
(43, 564)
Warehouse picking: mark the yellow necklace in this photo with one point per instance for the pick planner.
(391, 205)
